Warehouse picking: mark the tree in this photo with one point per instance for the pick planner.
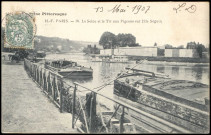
(130, 40)
(108, 40)
(199, 47)
(155, 44)
(181, 47)
(167, 46)
(124, 40)
(120, 40)
(191, 45)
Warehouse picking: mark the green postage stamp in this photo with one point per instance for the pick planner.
(20, 31)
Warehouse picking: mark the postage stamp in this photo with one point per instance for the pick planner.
(20, 31)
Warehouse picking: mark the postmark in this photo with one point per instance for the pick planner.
(19, 31)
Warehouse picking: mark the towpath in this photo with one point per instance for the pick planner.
(25, 108)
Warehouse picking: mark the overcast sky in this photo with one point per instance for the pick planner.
(176, 28)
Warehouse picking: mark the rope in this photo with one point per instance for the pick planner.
(85, 119)
(116, 109)
(102, 86)
(101, 116)
(122, 73)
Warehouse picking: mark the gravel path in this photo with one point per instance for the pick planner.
(26, 109)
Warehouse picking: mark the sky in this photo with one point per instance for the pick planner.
(172, 28)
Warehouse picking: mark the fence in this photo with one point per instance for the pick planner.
(121, 124)
(85, 108)
(51, 83)
(53, 86)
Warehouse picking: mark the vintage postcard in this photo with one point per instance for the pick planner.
(105, 67)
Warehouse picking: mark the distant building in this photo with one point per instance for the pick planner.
(135, 51)
(172, 52)
(151, 51)
(188, 53)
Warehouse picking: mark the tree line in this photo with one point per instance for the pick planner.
(109, 40)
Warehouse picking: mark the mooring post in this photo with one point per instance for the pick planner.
(41, 83)
(91, 121)
(54, 87)
(38, 75)
(61, 96)
(34, 73)
(88, 103)
(31, 70)
(121, 129)
(23, 63)
(44, 79)
(49, 83)
(92, 112)
(73, 105)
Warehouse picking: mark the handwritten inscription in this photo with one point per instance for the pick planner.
(122, 9)
(185, 7)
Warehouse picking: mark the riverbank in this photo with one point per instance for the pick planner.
(25, 108)
(175, 63)
(171, 59)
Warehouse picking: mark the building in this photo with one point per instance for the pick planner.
(172, 52)
(151, 51)
(188, 53)
(135, 51)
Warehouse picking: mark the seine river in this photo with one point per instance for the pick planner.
(103, 72)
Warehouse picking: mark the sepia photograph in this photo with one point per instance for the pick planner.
(105, 67)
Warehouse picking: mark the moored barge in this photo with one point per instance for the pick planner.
(181, 103)
(69, 69)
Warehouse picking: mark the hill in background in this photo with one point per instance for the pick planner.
(56, 44)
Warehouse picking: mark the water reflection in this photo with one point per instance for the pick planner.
(198, 73)
(103, 72)
(175, 71)
(160, 69)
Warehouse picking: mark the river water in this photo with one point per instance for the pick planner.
(103, 72)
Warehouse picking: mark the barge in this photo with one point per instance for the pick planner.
(69, 69)
(181, 103)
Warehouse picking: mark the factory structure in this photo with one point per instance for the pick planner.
(190, 53)
(151, 52)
